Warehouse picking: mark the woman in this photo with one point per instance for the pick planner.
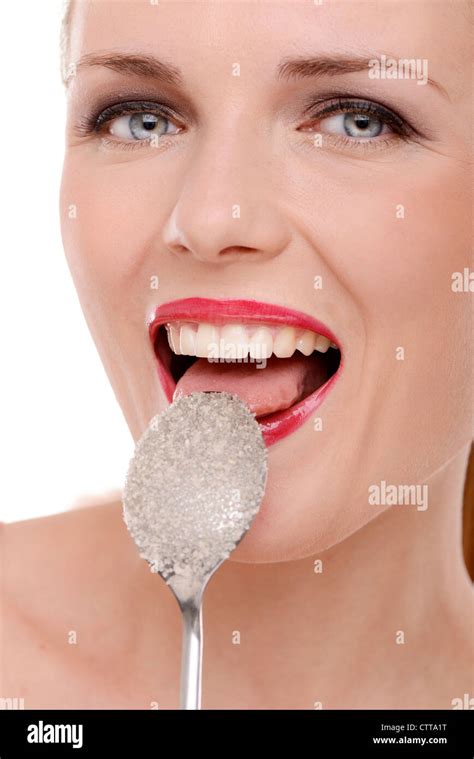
(296, 175)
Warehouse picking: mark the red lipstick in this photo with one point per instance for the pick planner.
(274, 426)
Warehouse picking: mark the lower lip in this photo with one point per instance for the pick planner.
(275, 426)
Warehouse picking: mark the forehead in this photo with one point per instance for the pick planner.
(200, 35)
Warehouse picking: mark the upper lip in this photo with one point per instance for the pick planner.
(228, 310)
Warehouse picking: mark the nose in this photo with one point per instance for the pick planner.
(228, 201)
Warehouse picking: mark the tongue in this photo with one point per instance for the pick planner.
(283, 382)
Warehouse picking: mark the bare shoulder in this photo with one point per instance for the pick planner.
(60, 582)
(38, 555)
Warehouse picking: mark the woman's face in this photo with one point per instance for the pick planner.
(322, 190)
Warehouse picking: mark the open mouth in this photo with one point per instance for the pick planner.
(280, 362)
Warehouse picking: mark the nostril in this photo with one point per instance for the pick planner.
(180, 249)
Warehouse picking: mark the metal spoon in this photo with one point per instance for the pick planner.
(193, 488)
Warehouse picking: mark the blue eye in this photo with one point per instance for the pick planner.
(355, 125)
(357, 121)
(132, 122)
(141, 126)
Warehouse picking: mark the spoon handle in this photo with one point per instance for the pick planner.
(191, 656)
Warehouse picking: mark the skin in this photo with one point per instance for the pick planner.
(329, 638)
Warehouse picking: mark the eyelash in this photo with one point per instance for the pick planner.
(371, 108)
(94, 123)
(401, 129)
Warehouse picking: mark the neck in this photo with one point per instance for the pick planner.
(377, 593)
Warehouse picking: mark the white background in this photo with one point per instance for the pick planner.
(63, 436)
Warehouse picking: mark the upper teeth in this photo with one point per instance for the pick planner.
(237, 341)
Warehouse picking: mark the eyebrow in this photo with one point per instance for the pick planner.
(334, 65)
(139, 65)
(288, 68)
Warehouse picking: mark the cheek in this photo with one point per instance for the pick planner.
(109, 239)
(403, 237)
(394, 256)
(416, 235)
(108, 235)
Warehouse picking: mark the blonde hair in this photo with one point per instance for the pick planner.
(468, 500)
(64, 36)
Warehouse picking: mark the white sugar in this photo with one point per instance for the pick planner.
(195, 484)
